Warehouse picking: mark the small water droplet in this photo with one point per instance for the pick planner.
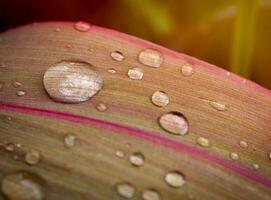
(101, 107)
(57, 29)
(270, 155)
(137, 159)
(218, 105)
(69, 140)
(117, 55)
(243, 144)
(228, 73)
(119, 154)
(255, 166)
(136, 73)
(150, 57)
(202, 141)
(150, 194)
(16, 84)
(10, 147)
(174, 122)
(23, 186)
(20, 93)
(160, 98)
(68, 46)
(112, 71)
(2, 85)
(187, 69)
(32, 157)
(18, 145)
(175, 179)
(234, 156)
(126, 190)
(82, 26)
(72, 82)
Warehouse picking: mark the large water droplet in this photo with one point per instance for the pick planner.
(126, 190)
(187, 69)
(117, 55)
(218, 105)
(23, 186)
(175, 179)
(136, 73)
(82, 26)
(32, 157)
(72, 82)
(204, 142)
(160, 98)
(137, 159)
(151, 58)
(150, 194)
(174, 122)
(69, 140)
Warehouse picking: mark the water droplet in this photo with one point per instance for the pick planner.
(204, 142)
(2, 85)
(9, 147)
(243, 144)
(234, 156)
(126, 190)
(82, 26)
(150, 194)
(137, 159)
(136, 73)
(16, 84)
(160, 98)
(119, 154)
(218, 105)
(68, 46)
(228, 73)
(117, 55)
(72, 82)
(18, 145)
(187, 69)
(21, 93)
(69, 140)
(270, 155)
(150, 57)
(255, 166)
(57, 29)
(112, 71)
(23, 186)
(174, 122)
(101, 107)
(32, 157)
(175, 179)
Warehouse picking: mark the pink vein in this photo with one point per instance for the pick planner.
(140, 133)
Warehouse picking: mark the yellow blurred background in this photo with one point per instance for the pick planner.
(233, 34)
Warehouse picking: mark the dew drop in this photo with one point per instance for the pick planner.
(2, 85)
(137, 159)
(10, 147)
(187, 69)
(57, 29)
(174, 122)
(126, 190)
(101, 107)
(112, 71)
(218, 105)
(16, 84)
(243, 144)
(228, 73)
(20, 93)
(82, 26)
(175, 179)
(23, 186)
(202, 141)
(150, 194)
(32, 157)
(151, 58)
(68, 46)
(119, 154)
(72, 82)
(255, 166)
(69, 140)
(136, 73)
(117, 55)
(160, 98)
(234, 156)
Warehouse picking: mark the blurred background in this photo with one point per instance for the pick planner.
(233, 34)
